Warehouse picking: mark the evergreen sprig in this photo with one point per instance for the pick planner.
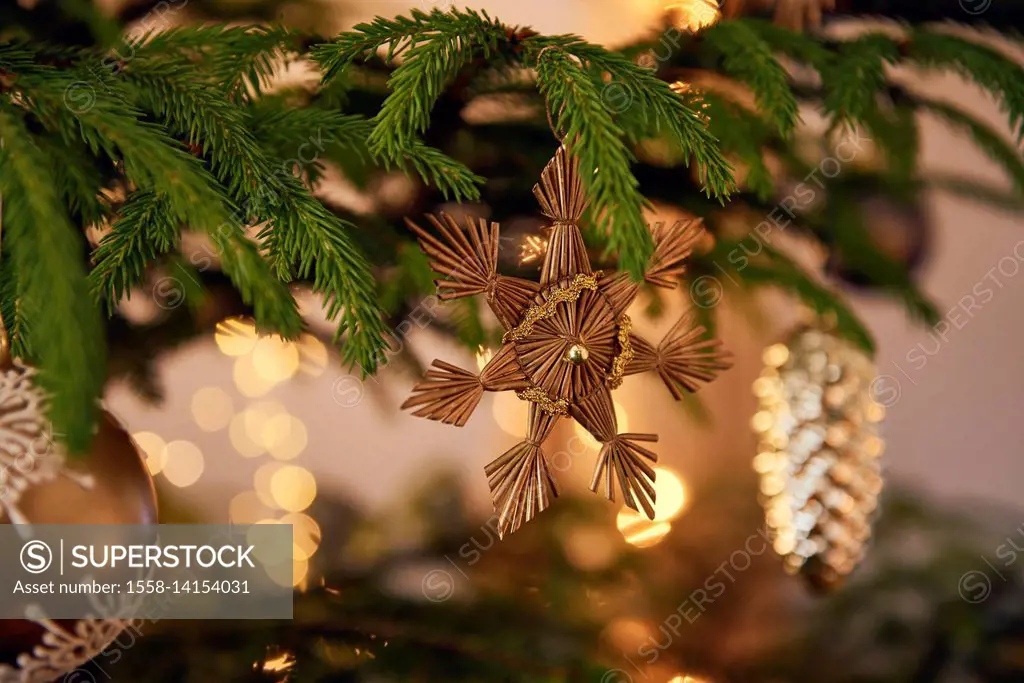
(434, 47)
(1002, 77)
(596, 140)
(44, 249)
(748, 57)
(857, 76)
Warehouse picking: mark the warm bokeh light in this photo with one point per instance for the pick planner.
(590, 548)
(305, 533)
(212, 409)
(247, 508)
(640, 531)
(154, 448)
(293, 488)
(235, 336)
(285, 436)
(274, 359)
(300, 571)
(261, 484)
(240, 439)
(483, 357)
(672, 498)
(256, 418)
(670, 502)
(511, 413)
(693, 15)
(184, 463)
(532, 249)
(282, 662)
(313, 355)
(248, 381)
(288, 573)
(775, 355)
(681, 678)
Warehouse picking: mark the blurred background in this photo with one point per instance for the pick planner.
(253, 429)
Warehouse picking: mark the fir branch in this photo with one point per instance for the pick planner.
(778, 270)
(155, 162)
(1001, 76)
(237, 58)
(974, 190)
(799, 45)
(144, 230)
(857, 76)
(286, 131)
(988, 140)
(896, 132)
(400, 34)
(45, 250)
(298, 228)
(452, 178)
(13, 315)
(307, 233)
(112, 126)
(77, 178)
(420, 79)
(597, 141)
(743, 133)
(748, 57)
(651, 107)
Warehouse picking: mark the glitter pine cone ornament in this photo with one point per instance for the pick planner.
(568, 343)
(819, 453)
(39, 486)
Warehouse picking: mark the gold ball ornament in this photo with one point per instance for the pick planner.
(818, 457)
(577, 354)
(38, 485)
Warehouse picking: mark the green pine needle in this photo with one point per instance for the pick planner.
(1000, 75)
(748, 57)
(45, 250)
(596, 140)
(400, 35)
(855, 79)
(988, 140)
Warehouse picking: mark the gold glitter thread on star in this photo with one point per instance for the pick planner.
(685, 360)
(568, 344)
(546, 309)
(625, 356)
(540, 398)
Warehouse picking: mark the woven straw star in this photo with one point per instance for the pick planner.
(568, 343)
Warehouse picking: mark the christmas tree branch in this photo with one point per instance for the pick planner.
(44, 249)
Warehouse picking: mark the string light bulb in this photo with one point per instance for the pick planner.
(693, 15)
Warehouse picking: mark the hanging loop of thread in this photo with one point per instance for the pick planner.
(558, 133)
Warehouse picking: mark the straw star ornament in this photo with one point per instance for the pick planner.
(568, 343)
